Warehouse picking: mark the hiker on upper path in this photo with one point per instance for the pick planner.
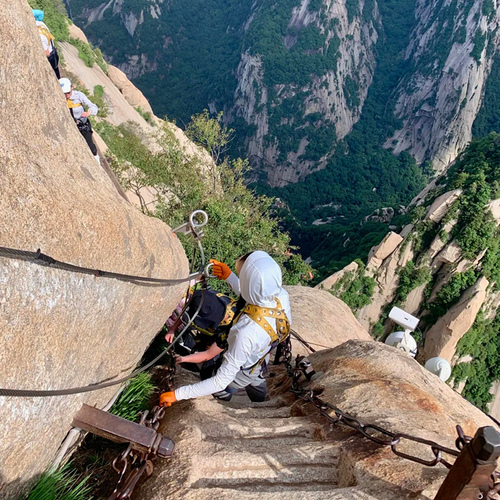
(47, 41)
(265, 321)
(77, 101)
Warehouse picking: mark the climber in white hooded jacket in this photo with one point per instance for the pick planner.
(260, 284)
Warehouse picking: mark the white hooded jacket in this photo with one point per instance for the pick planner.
(260, 283)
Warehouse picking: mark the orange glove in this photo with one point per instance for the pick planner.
(220, 269)
(167, 398)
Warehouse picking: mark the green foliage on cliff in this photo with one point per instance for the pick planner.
(477, 172)
(135, 398)
(55, 17)
(479, 43)
(354, 288)
(194, 50)
(482, 342)
(239, 221)
(62, 484)
(488, 118)
(449, 295)
(410, 277)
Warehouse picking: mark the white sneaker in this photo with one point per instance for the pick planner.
(98, 159)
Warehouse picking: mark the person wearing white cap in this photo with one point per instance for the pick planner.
(77, 101)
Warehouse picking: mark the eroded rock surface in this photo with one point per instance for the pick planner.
(442, 338)
(334, 278)
(131, 93)
(61, 329)
(322, 319)
(283, 448)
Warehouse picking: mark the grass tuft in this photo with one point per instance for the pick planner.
(63, 484)
(135, 398)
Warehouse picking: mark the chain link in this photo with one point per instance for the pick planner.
(131, 465)
(373, 432)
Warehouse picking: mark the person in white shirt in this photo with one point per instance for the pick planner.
(76, 101)
(249, 344)
(47, 41)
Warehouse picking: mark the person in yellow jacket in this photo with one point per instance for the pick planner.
(249, 343)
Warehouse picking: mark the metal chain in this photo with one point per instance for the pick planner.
(131, 465)
(373, 432)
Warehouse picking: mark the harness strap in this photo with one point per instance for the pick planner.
(72, 105)
(46, 33)
(259, 314)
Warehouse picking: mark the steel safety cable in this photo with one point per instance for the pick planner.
(46, 260)
(99, 386)
(95, 387)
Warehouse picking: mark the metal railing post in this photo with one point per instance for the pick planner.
(470, 476)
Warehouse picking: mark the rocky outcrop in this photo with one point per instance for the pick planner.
(284, 449)
(321, 319)
(442, 204)
(131, 93)
(62, 329)
(451, 52)
(334, 99)
(76, 32)
(385, 247)
(329, 282)
(442, 338)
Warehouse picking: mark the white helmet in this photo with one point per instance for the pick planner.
(65, 84)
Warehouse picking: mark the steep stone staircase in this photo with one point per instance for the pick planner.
(252, 451)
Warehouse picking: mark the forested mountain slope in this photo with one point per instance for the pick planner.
(321, 93)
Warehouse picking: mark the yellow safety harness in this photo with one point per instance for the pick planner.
(46, 33)
(72, 105)
(259, 314)
(278, 335)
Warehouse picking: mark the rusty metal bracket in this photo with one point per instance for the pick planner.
(120, 430)
(470, 476)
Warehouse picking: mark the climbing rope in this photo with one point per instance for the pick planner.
(189, 227)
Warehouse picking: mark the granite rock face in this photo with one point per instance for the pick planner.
(329, 282)
(443, 337)
(131, 93)
(322, 319)
(61, 329)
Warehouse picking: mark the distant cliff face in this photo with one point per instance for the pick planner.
(293, 76)
(298, 113)
(450, 57)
